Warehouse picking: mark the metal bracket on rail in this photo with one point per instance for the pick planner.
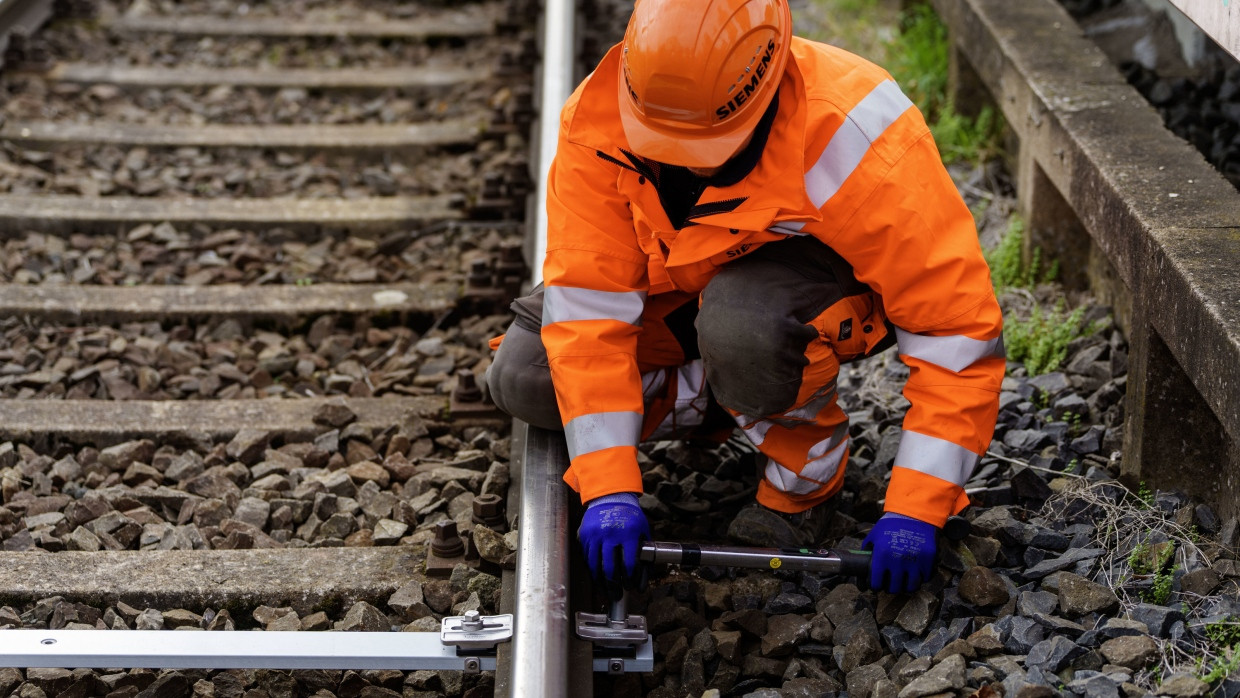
(474, 634)
(621, 641)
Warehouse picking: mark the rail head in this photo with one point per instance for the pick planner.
(540, 651)
(541, 634)
(558, 80)
(21, 18)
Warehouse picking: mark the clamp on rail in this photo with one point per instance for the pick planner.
(474, 634)
(621, 641)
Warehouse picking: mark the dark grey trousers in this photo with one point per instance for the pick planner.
(752, 330)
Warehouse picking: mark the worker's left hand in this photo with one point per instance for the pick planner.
(903, 553)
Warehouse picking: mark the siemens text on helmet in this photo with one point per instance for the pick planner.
(750, 87)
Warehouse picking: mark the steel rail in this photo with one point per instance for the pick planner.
(540, 644)
(540, 641)
(21, 17)
(558, 81)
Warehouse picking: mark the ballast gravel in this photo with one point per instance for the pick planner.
(33, 99)
(166, 254)
(349, 486)
(223, 360)
(239, 173)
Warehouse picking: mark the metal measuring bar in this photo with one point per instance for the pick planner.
(465, 643)
(853, 563)
(850, 563)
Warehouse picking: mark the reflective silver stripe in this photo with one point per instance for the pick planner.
(785, 480)
(825, 467)
(690, 394)
(566, 304)
(595, 432)
(689, 410)
(824, 462)
(653, 382)
(934, 456)
(839, 436)
(756, 431)
(789, 228)
(822, 399)
(863, 125)
(954, 353)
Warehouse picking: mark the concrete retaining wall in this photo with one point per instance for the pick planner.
(1136, 213)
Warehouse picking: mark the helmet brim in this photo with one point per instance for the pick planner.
(677, 144)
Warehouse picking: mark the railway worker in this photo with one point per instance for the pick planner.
(733, 213)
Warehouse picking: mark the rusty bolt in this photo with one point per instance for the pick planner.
(447, 542)
(480, 274)
(492, 185)
(499, 116)
(489, 511)
(467, 389)
(510, 254)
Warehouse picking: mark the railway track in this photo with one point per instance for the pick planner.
(249, 270)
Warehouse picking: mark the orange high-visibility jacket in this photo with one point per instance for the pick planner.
(850, 161)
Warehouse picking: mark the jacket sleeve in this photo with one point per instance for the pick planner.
(937, 292)
(907, 233)
(596, 282)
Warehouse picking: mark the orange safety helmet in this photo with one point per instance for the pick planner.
(697, 75)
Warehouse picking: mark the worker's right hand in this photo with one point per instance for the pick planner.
(613, 521)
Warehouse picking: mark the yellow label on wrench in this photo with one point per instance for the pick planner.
(776, 563)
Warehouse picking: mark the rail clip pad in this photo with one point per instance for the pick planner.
(474, 632)
(601, 630)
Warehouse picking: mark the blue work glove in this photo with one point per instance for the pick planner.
(613, 521)
(903, 549)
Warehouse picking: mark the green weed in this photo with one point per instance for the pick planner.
(1041, 342)
(1145, 494)
(864, 27)
(1223, 666)
(1136, 557)
(1160, 593)
(1008, 270)
(1146, 559)
(1225, 633)
(918, 62)
(1224, 637)
(1073, 420)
